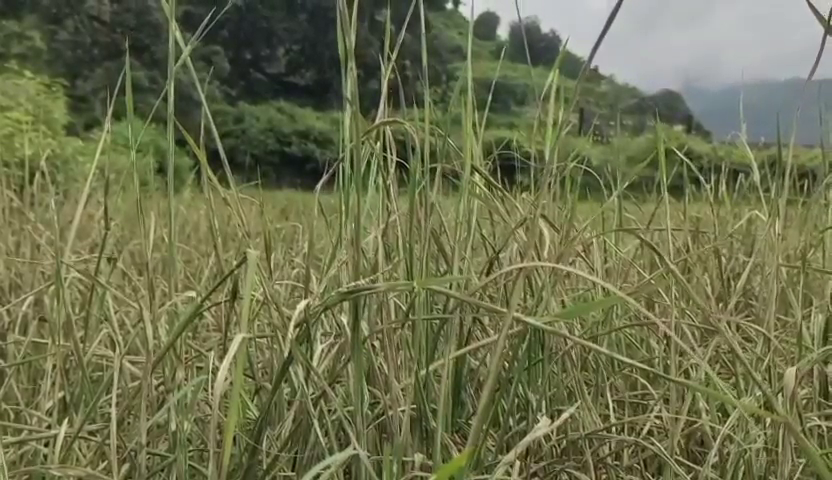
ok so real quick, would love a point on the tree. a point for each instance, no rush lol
(21, 44)
(86, 44)
(486, 25)
(543, 47)
(670, 107)
(257, 51)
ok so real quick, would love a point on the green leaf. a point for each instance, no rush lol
(330, 463)
(449, 469)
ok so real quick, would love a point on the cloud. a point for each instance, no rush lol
(671, 43)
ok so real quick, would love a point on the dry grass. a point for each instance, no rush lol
(368, 333)
(642, 349)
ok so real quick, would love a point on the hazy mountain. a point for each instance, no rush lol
(719, 109)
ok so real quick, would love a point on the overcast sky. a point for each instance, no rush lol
(668, 43)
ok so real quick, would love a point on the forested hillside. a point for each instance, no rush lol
(272, 73)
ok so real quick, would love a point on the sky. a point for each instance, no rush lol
(672, 43)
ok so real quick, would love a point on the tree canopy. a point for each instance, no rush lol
(486, 26)
(259, 50)
(528, 42)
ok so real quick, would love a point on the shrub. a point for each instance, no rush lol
(506, 94)
(631, 159)
(33, 116)
(670, 107)
(282, 142)
(150, 143)
(571, 65)
(512, 87)
(733, 161)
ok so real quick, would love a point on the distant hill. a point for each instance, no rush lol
(607, 103)
(719, 109)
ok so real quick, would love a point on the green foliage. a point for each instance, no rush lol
(452, 27)
(277, 137)
(268, 60)
(636, 159)
(33, 120)
(486, 26)
(33, 115)
(150, 144)
(571, 66)
(543, 47)
(509, 88)
(21, 43)
(690, 160)
(668, 105)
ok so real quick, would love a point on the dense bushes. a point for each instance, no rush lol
(33, 116)
(635, 161)
(284, 144)
(278, 142)
(508, 86)
(33, 121)
(669, 106)
(150, 143)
